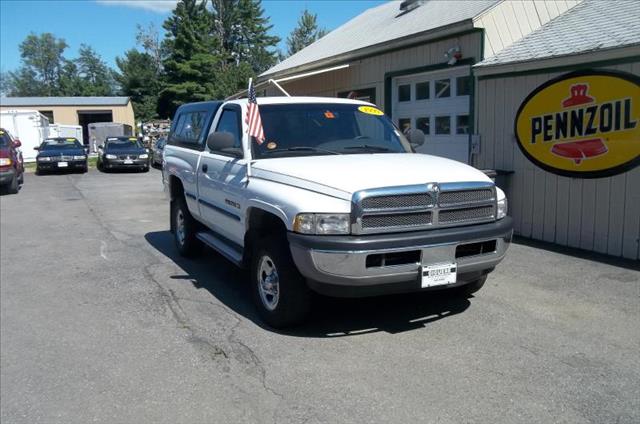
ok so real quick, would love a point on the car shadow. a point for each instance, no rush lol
(330, 317)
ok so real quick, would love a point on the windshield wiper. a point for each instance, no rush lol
(368, 147)
(303, 149)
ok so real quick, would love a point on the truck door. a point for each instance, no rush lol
(220, 175)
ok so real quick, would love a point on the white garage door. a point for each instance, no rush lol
(438, 104)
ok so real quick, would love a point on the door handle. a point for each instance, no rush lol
(205, 168)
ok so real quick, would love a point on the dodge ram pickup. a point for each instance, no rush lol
(334, 200)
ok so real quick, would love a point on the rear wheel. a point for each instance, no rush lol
(279, 290)
(184, 229)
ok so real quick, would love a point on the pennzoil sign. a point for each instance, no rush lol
(584, 124)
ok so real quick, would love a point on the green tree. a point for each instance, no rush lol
(192, 57)
(243, 30)
(138, 79)
(306, 33)
(96, 78)
(42, 64)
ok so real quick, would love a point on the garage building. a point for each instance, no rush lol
(460, 70)
(75, 110)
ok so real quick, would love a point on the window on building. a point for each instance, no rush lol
(443, 125)
(424, 124)
(422, 90)
(404, 93)
(463, 86)
(462, 124)
(443, 88)
(48, 114)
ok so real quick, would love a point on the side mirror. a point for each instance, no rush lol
(101, 147)
(86, 149)
(416, 137)
(17, 143)
(36, 148)
(220, 141)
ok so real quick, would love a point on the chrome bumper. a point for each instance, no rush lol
(327, 263)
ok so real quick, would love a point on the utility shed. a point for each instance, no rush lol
(559, 113)
(414, 59)
(75, 110)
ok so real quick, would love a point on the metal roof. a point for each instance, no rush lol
(381, 25)
(64, 101)
(587, 27)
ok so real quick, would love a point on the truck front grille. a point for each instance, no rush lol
(396, 220)
(402, 201)
(464, 215)
(411, 208)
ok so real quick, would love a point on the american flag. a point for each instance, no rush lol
(254, 123)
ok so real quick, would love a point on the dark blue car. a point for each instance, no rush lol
(61, 153)
(123, 153)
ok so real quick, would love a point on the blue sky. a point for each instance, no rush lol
(110, 26)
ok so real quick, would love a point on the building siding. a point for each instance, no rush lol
(370, 72)
(601, 214)
(68, 115)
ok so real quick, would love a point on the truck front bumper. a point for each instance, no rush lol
(354, 266)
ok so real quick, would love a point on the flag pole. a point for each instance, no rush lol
(248, 147)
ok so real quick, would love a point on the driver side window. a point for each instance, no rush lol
(230, 123)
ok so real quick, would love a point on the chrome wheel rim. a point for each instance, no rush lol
(180, 230)
(268, 283)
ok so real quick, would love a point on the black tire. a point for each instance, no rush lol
(38, 171)
(145, 169)
(470, 288)
(100, 166)
(185, 238)
(293, 301)
(13, 186)
(21, 179)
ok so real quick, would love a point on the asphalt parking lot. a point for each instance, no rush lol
(102, 321)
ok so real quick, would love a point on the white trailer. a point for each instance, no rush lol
(60, 130)
(28, 126)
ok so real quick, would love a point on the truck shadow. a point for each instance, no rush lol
(330, 317)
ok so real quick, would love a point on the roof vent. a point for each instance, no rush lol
(408, 5)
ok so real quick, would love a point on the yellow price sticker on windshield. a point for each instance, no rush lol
(71, 139)
(369, 110)
(133, 139)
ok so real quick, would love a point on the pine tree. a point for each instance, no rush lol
(138, 79)
(94, 75)
(306, 33)
(192, 57)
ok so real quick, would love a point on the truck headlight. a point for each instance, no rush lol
(44, 159)
(79, 157)
(322, 223)
(502, 208)
(110, 156)
(5, 161)
(143, 156)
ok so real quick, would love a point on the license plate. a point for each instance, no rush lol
(439, 274)
(62, 164)
(128, 161)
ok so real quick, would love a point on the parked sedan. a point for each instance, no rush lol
(61, 153)
(156, 150)
(123, 153)
(11, 165)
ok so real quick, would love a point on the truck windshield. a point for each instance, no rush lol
(322, 129)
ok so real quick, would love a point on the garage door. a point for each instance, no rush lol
(438, 104)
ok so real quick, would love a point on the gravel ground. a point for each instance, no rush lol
(102, 321)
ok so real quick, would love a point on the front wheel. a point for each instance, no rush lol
(184, 229)
(12, 188)
(279, 290)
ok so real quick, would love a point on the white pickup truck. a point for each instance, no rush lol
(334, 201)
